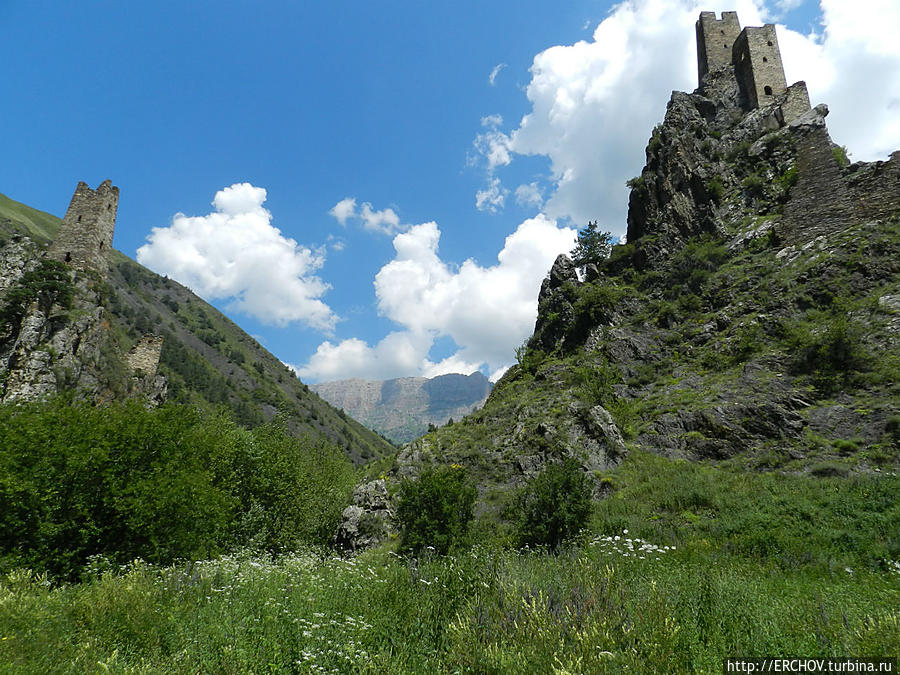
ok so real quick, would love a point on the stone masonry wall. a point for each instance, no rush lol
(86, 233)
(715, 38)
(144, 356)
(757, 64)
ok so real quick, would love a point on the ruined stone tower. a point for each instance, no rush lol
(757, 65)
(753, 57)
(86, 233)
(715, 40)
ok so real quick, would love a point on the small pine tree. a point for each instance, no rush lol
(592, 247)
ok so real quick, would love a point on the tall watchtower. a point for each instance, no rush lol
(86, 233)
(757, 65)
(715, 39)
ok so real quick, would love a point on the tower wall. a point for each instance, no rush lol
(757, 65)
(85, 236)
(715, 38)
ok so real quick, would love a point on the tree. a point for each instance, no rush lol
(555, 505)
(435, 510)
(592, 247)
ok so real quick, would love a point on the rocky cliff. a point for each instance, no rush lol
(403, 409)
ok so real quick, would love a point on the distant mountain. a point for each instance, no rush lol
(401, 409)
(206, 360)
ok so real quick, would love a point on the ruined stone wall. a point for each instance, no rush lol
(144, 356)
(86, 233)
(715, 38)
(794, 103)
(757, 65)
(875, 188)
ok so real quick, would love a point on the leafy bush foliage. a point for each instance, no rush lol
(124, 482)
(834, 356)
(49, 283)
(555, 505)
(435, 510)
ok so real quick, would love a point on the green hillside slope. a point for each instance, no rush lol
(208, 360)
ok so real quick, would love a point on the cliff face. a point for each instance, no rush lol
(751, 318)
(402, 409)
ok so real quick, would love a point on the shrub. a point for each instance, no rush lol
(715, 189)
(554, 506)
(833, 356)
(122, 481)
(49, 283)
(435, 510)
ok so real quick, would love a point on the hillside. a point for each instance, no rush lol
(752, 321)
(402, 409)
(206, 358)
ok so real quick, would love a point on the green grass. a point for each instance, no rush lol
(597, 608)
(36, 224)
(686, 564)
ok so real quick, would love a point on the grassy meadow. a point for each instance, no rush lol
(682, 566)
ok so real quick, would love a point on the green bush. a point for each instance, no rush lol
(834, 356)
(554, 506)
(49, 283)
(122, 481)
(435, 510)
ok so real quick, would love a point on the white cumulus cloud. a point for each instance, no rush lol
(384, 221)
(487, 311)
(236, 253)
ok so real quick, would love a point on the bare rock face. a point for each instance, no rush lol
(48, 348)
(368, 520)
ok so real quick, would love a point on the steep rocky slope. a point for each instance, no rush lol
(403, 409)
(206, 359)
(752, 319)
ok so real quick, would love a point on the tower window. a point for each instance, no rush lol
(768, 90)
(79, 219)
(769, 43)
(108, 207)
(765, 60)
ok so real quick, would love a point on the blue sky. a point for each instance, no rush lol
(397, 147)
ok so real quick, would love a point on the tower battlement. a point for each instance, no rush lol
(86, 233)
(715, 39)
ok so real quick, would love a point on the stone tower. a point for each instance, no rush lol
(757, 65)
(85, 236)
(715, 39)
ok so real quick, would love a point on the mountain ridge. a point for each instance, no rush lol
(404, 408)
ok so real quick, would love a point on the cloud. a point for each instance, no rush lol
(235, 253)
(487, 311)
(496, 71)
(385, 221)
(493, 144)
(492, 198)
(529, 195)
(343, 210)
(854, 67)
(594, 103)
